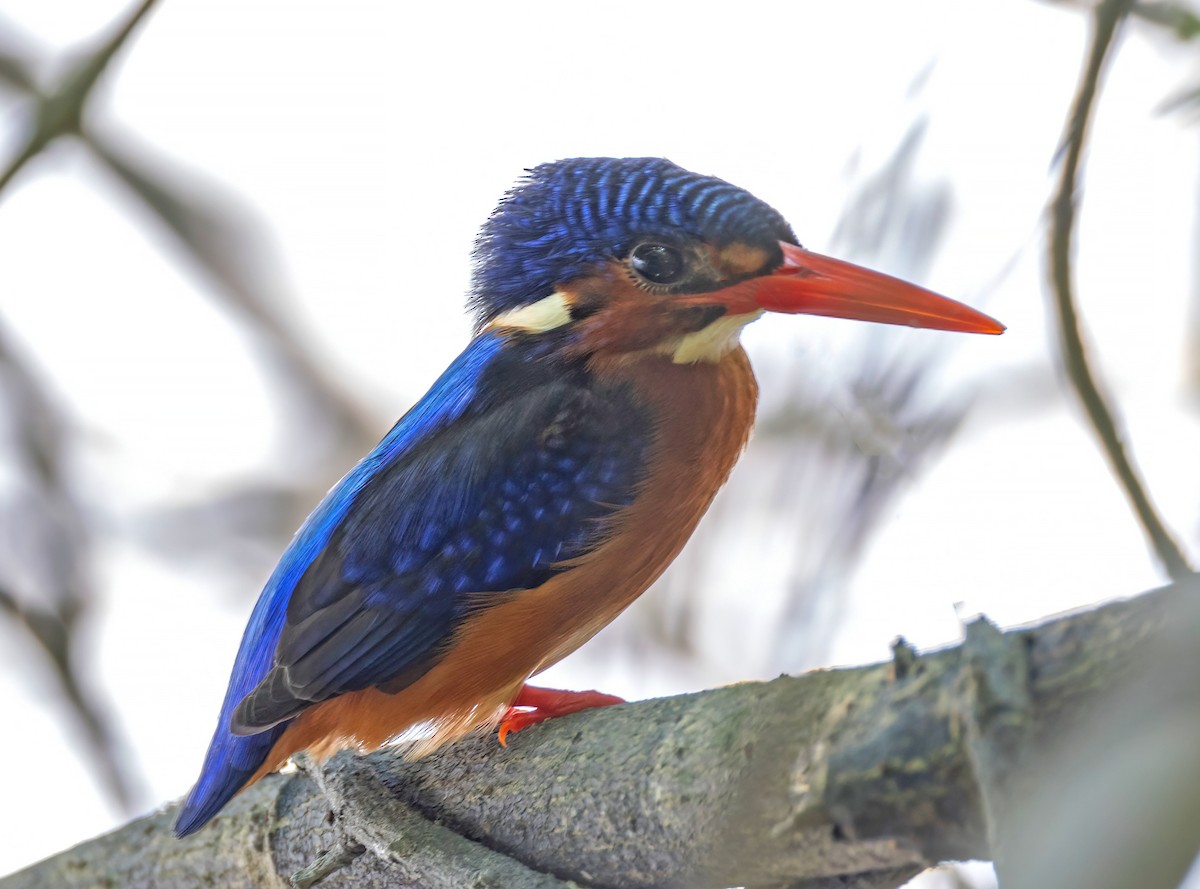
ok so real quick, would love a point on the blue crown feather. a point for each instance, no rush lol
(567, 215)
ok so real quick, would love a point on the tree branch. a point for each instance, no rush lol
(844, 777)
(52, 611)
(60, 112)
(1108, 16)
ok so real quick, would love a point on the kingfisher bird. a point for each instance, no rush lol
(548, 477)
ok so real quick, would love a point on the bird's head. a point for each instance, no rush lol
(635, 255)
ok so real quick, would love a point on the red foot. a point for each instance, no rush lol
(534, 704)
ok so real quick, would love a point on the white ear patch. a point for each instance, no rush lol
(711, 343)
(545, 314)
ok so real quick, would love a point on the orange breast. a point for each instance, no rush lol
(703, 414)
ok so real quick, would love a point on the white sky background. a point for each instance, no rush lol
(373, 139)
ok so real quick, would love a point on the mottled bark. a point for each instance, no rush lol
(855, 777)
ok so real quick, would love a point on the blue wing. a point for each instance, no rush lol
(507, 466)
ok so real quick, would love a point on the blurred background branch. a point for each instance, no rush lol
(50, 539)
(48, 526)
(60, 111)
(1106, 21)
(52, 519)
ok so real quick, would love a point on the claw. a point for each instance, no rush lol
(535, 704)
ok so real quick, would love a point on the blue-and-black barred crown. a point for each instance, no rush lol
(566, 215)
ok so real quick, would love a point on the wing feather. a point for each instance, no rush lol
(485, 506)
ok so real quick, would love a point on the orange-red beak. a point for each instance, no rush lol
(811, 284)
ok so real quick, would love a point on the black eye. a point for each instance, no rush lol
(657, 263)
